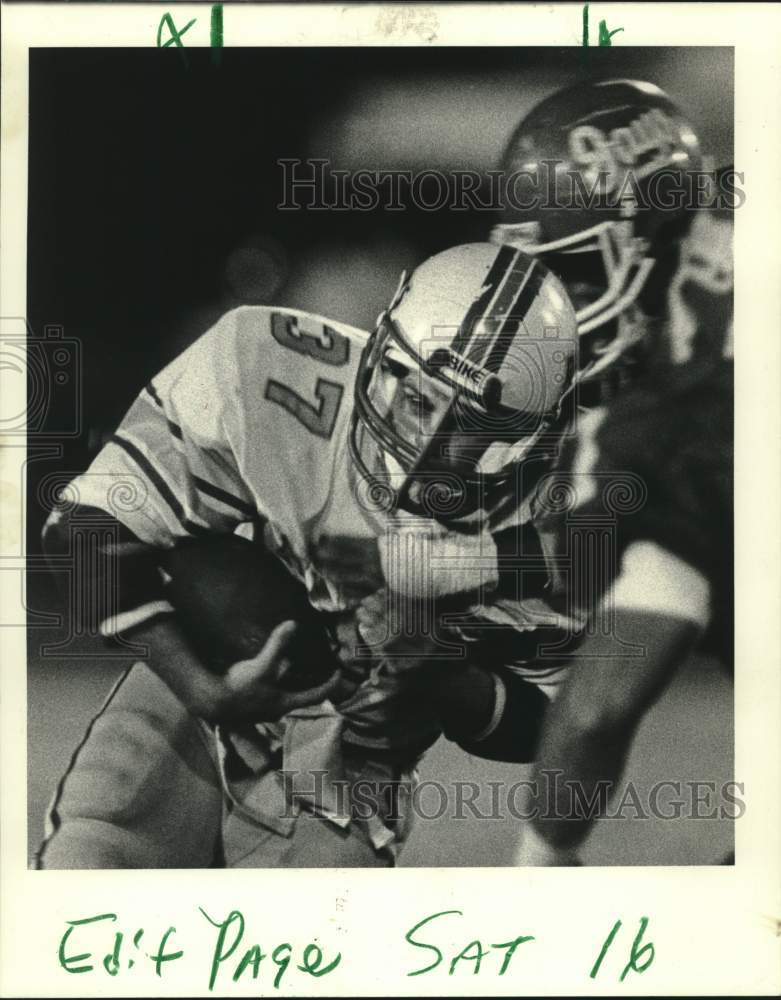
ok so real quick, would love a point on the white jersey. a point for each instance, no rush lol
(249, 426)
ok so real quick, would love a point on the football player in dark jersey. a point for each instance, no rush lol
(604, 183)
(661, 456)
(601, 182)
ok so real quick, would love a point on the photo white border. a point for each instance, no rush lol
(715, 930)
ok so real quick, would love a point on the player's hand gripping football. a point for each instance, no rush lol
(253, 690)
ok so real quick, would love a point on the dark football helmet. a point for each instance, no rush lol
(462, 382)
(600, 180)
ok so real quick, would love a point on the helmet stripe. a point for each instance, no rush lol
(512, 319)
(500, 270)
(521, 271)
(503, 306)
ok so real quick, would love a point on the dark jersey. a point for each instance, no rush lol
(675, 434)
(656, 463)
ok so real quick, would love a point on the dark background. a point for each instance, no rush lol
(153, 186)
(153, 182)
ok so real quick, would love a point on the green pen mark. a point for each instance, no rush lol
(639, 958)
(633, 965)
(215, 34)
(605, 35)
(163, 955)
(605, 946)
(69, 962)
(176, 36)
(166, 21)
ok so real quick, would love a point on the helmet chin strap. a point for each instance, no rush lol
(392, 466)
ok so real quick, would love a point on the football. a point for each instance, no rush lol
(230, 593)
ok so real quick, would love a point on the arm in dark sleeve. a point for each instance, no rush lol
(493, 714)
(512, 733)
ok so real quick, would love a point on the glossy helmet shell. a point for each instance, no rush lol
(608, 128)
(492, 330)
(599, 180)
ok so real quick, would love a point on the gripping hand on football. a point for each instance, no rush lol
(254, 690)
(251, 690)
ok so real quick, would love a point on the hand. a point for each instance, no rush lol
(374, 622)
(252, 690)
(386, 626)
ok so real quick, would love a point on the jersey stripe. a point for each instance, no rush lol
(153, 393)
(244, 507)
(173, 427)
(159, 483)
(224, 497)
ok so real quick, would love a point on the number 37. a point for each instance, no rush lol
(329, 347)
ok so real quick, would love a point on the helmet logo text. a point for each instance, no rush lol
(624, 148)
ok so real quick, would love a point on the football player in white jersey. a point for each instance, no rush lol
(394, 475)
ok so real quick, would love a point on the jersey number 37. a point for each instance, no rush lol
(330, 348)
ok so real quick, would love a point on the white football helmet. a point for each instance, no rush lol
(461, 385)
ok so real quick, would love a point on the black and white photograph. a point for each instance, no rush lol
(379, 484)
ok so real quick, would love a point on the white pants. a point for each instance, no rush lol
(151, 786)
